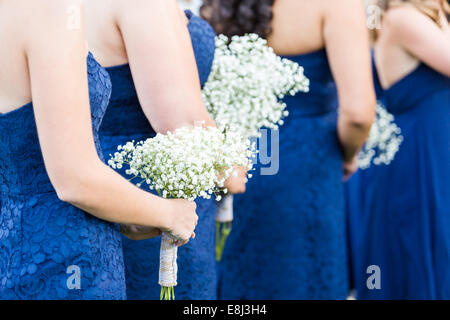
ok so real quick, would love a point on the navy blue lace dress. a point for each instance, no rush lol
(289, 238)
(45, 244)
(125, 121)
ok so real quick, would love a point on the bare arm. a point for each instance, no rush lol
(164, 69)
(420, 36)
(57, 63)
(347, 43)
(163, 64)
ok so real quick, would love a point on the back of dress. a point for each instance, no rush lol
(291, 221)
(41, 236)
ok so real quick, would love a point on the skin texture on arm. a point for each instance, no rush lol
(162, 62)
(347, 43)
(57, 65)
(164, 69)
(420, 37)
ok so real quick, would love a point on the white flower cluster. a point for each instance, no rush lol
(246, 84)
(191, 162)
(384, 140)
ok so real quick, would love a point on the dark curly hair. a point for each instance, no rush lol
(238, 17)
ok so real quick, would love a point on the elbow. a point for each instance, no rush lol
(165, 126)
(69, 191)
(63, 193)
(362, 115)
(73, 186)
(363, 122)
(447, 71)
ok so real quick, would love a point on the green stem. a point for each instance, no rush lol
(167, 293)
(223, 230)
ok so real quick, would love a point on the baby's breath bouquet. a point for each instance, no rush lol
(247, 82)
(384, 140)
(245, 90)
(189, 163)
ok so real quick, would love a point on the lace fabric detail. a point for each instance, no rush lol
(41, 236)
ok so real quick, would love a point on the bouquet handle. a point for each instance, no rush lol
(224, 220)
(168, 267)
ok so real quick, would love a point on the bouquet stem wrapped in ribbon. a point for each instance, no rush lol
(168, 267)
(189, 163)
(224, 222)
(244, 91)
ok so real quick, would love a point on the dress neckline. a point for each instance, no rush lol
(306, 54)
(404, 78)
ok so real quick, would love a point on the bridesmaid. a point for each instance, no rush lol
(156, 88)
(402, 225)
(50, 170)
(289, 236)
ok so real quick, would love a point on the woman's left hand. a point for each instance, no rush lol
(138, 232)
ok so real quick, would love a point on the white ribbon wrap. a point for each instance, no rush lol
(168, 268)
(224, 211)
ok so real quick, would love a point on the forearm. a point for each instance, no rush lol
(352, 135)
(108, 196)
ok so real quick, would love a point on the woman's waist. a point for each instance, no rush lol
(43, 217)
(125, 119)
(26, 185)
(308, 106)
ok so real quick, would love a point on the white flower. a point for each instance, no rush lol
(246, 84)
(187, 163)
(384, 140)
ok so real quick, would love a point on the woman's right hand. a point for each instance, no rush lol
(182, 220)
(350, 167)
(236, 183)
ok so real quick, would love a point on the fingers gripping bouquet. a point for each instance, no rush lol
(188, 163)
(384, 140)
(244, 90)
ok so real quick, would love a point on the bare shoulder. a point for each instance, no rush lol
(346, 19)
(51, 11)
(406, 24)
(54, 25)
(398, 14)
(44, 11)
(139, 6)
(345, 8)
(401, 19)
(52, 16)
(33, 21)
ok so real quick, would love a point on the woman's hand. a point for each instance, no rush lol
(235, 184)
(350, 167)
(182, 220)
(135, 232)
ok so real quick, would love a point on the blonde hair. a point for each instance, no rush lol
(430, 8)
